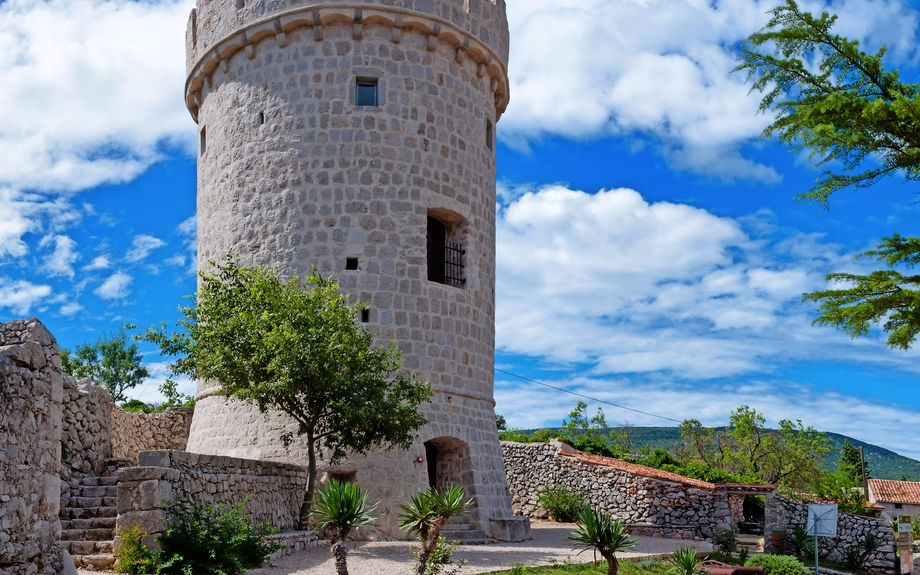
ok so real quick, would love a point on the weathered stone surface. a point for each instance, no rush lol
(30, 449)
(293, 172)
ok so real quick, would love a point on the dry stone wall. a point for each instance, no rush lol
(87, 434)
(275, 491)
(136, 432)
(31, 389)
(650, 506)
(783, 513)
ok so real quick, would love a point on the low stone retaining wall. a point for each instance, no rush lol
(275, 491)
(783, 513)
(667, 506)
(136, 432)
(31, 389)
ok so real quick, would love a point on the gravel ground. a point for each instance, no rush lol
(394, 557)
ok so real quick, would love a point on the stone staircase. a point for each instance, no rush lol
(461, 530)
(88, 519)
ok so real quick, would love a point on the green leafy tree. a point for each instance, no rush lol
(341, 509)
(426, 514)
(592, 434)
(850, 462)
(297, 348)
(598, 531)
(851, 110)
(113, 361)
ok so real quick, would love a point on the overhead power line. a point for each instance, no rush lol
(586, 396)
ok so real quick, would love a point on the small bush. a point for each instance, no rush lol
(562, 504)
(725, 539)
(131, 555)
(685, 561)
(440, 561)
(778, 565)
(851, 557)
(212, 540)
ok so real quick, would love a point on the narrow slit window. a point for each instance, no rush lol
(202, 141)
(351, 263)
(365, 316)
(489, 136)
(366, 92)
(261, 118)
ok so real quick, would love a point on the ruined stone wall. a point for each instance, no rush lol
(275, 490)
(783, 513)
(87, 433)
(649, 506)
(136, 432)
(31, 390)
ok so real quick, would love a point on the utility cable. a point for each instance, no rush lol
(585, 396)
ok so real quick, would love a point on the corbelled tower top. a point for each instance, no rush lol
(218, 29)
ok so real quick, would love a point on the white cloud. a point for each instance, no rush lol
(71, 308)
(141, 247)
(20, 296)
(60, 261)
(31, 212)
(658, 69)
(117, 286)
(99, 263)
(91, 89)
(528, 406)
(633, 287)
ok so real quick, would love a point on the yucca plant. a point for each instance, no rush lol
(685, 561)
(340, 509)
(427, 513)
(801, 542)
(599, 532)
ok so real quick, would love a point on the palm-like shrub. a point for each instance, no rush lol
(685, 561)
(800, 541)
(599, 532)
(340, 510)
(427, 513)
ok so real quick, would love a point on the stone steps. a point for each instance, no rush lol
(460, 530)
(88, 519)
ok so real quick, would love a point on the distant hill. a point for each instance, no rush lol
(883, 463)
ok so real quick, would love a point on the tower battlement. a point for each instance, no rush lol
(475, 30)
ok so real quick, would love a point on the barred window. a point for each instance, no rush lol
(445, 259)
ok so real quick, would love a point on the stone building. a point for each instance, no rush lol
(358, 137)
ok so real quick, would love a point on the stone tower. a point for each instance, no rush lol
(358, 137)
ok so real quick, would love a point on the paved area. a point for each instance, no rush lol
(395, 558)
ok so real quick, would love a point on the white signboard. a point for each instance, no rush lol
(822, 519)
(903, 527)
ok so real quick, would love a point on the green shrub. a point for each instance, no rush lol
(562, 504)
(441, 562)
(212, 540)
(778, 565)
(685, 561)
(851, 557)
(131, 555)
(725, 539)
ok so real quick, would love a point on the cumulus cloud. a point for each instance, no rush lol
(661, 70)
(98, 263)
(91, 87)
(141, 247)
(72, 308)
(61, 259)
(117, 286)
(20, 296)
(633, 287)
(30, 212)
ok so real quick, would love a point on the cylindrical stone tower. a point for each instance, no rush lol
(358, 137)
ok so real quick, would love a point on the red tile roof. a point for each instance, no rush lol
(890, 491)
(645, 471)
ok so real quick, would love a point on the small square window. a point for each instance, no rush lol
(351, 263)
(365, 316)
(898, 506)
(366, 92)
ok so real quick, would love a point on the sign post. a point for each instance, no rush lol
(821, 522)
(905, 539)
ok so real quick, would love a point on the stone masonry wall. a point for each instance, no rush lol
(136, 432)
(650, 506)
(783, 513)
(30, 449)
(87, 433)
(275, 490)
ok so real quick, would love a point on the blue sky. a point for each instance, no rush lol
(650, 252)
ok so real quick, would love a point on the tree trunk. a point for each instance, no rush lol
(612, 565)
(429, 543)
(311, 482)
(340, 551)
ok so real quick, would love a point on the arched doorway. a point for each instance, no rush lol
(449, 463)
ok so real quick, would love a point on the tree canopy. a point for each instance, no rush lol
(295, 347)
(112, 361)
(843, 105)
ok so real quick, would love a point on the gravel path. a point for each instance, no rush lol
(394, 557)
